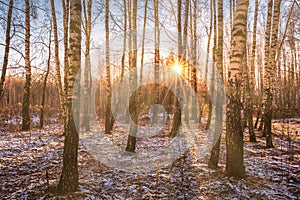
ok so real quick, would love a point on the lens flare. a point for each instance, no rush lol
(177, 68)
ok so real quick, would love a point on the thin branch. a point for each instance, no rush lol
(115, 22)
(17, 50)
(18, 8)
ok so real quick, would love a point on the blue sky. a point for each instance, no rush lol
(40, 33)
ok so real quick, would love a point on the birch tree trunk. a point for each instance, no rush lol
(209, 38)
(248, 77)
(26, 96)
(270, 75)
(214, 53)
(109, 119)
(66, 12)
(234, 134)
(251, 86)
(122, 93)
(267, 59)
(156, 60)
(69, 178)
(143, 41)
(214, 157)
(194, 63)
(177, 114)
(185, 27)
(87, 67)
(7, 46)
(57, 63)
(252, 62)
(124, 39)
(184, 56)
(131, 141)
(179, 28)
(231, 14)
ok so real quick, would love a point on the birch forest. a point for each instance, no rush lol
(149, 99)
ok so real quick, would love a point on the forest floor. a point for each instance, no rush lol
(30, 162)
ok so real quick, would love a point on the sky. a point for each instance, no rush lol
(40, 32)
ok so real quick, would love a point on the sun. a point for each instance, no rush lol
(177, 68)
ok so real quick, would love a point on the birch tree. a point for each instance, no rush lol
(234, 134)
(179, 28)
(185, 28)
(156, 59)
(214, 158)
(69, 178)
(177, 114)
(26, 96)
(57, 62)
(124, 39)
(251, 85)
(185, 49)
(7, 46)
(214, 53)
(109, 119)
(87, 67)
(267, 51)
(143, 41)
(66, 12)
(194, 63)
(269, 76)
(131, 141)
(209, 39)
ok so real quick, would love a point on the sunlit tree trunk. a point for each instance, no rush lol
(131, 141)
(109, 119)
(209, 38)
(57, 63)
(177, 114)
(292, 67)
(214, 156)
(267, 60)
(251, 86)
(194, 63)
(214, 53)
(143, 41)
(124, 39)
(179, 28)
(69, 178)
(248, 76)
(142, 54)
(248, 107)
(185, 27)
(122, 93)
(260, 91)
(234, 134)
(7, 46)
(66, 12)
(284, 77)
(26, 96)
(252, 62)
(185, 52)
(87, 67)
(231, 14)
(130, 53)
(270, 76)
(156, 60)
